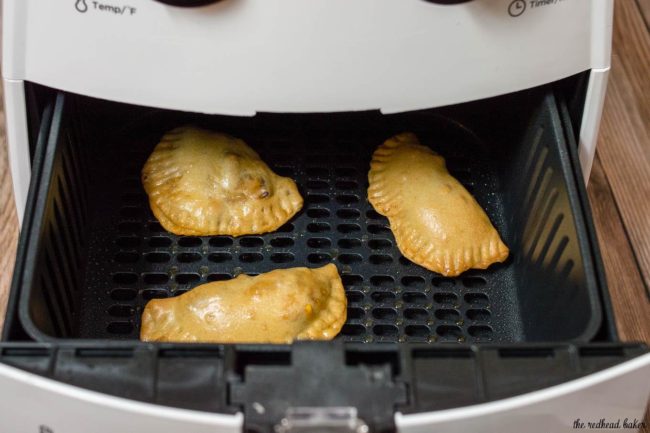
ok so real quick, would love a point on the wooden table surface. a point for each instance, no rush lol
(619, 188)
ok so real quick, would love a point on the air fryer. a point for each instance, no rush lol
(92, 255)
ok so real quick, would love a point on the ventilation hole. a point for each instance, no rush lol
(317, 184)
(384, 313)
(416, 314)
(380, 259)
(219, 277)
(317, 171)
(414, 298)
(188, 257)
(345, 172)
(317, 198)
(131, 212)
(449, 331)
(377, 229)
(347, 199)
(220, 257)
(128, 242)
(319, 258)
(480, 331)
(120, 328)
(318, 227)
(157, 257)
(478, 299)
(123, 257)
(356, 313)
(251, 257)
(354, 296)
(447, 314)
(471, 282)
(125, 278)
(123, 294)
(380, 244)
(382, 281)
(286, 228)
(121, 310)
(443, 282)
(348, 228)
(187, 278)
(282, 242)
(385, 330)
(129, 227)
(155, 227)
(318, 213)
(251, 242)
(154, 294)
(346, 184)
(382, 296)
(348, 259)
(351, 279)
(349, 243)
(529, 352)
(445, 298)
(157, 278)
(373, 214)
(159, 242)
(478, 315)
(353, 330)
(417, 331)
(282, 257)
(348, 213)
(413, 282)
(404, 261)
(189, 242)
(221, 242)
(133, 198)
(318, 243)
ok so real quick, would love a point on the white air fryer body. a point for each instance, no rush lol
(246, 56)
(239, 57)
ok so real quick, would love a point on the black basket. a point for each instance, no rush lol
(95, 254)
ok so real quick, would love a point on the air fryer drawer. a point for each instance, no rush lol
(91, 255)
(97, 255)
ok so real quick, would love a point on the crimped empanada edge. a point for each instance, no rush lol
(332, 316)
(379, 194)
(450, 263)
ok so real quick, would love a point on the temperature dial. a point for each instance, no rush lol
(188, 3)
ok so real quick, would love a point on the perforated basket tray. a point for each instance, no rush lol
(97, 254)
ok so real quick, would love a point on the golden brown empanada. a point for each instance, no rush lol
(276, 307)
(436, 222)
(205, 183)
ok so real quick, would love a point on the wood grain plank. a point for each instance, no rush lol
(624, 145)
(644, 8)
(629, 302)
(8, 221)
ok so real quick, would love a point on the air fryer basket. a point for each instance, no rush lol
(97, 254)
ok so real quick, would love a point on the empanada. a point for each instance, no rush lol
(436, 222)
(276, 307)
(205, 183)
